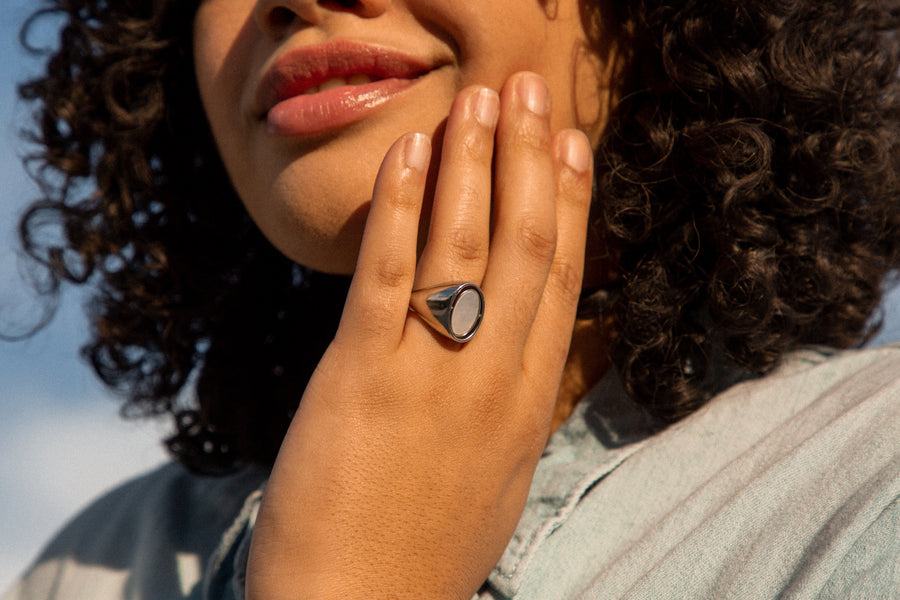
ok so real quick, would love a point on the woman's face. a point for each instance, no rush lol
(304, 97)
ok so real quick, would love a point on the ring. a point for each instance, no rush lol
(453, 310)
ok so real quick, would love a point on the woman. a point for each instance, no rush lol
(744, 211)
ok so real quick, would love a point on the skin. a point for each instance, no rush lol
(314, 211)
(408, 463)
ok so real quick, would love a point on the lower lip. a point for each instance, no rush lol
(322, 112)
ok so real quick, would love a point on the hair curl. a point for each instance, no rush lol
(185, 282)
(747, 182)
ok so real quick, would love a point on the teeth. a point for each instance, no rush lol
(332, 83)
(338, 82)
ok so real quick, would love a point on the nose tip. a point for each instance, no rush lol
(363, 8)
(277, 17)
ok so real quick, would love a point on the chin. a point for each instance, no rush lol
(334, 253)
(331, 263)
(329, 243)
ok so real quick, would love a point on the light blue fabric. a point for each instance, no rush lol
(785, 487)
(782, 487)
(153, 537)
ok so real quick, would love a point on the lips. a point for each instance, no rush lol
(317, 89)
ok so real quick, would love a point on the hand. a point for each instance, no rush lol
(406, 468)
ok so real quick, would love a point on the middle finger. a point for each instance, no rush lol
(525, 231)
(459, 233)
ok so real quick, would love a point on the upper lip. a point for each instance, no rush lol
(302, 68)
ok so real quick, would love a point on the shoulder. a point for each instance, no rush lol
(783, 486)
(825, 390)
(818, 369)
(149, 538)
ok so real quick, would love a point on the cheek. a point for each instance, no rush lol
(208, 56)
(532, 38)
(220, 62)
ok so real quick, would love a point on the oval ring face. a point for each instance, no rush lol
(454, 310)
(465, 316)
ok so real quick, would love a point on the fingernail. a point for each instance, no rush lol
(576, 152)
(533, 93)
(487, 107)
(418, 150)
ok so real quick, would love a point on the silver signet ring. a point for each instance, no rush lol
(453, 310)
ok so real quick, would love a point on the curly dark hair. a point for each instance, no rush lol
(750, 181)
(747, 186)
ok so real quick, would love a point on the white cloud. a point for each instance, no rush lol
(57, 457)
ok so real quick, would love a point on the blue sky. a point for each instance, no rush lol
(62, 440)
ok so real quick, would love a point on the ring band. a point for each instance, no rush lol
(453, 310)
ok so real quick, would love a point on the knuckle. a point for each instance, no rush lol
(533, 135)
(473, 146)
(537, 238)
(404, 202)
(467, 246)
(403, 197)
(566, 277)
(388, 273)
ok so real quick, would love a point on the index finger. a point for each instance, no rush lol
(378, 299)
